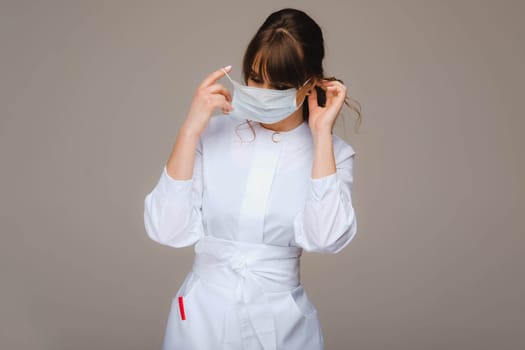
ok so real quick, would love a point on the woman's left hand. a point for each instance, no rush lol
(322, 119)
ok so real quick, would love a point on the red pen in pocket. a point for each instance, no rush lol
(181, 308)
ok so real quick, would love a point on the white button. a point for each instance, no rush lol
(276, 137)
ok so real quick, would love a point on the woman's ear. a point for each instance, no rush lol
(301, 96)
(306, 89)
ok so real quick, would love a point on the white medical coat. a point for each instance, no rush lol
(260, 193)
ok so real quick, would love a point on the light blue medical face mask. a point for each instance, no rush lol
(263, 105)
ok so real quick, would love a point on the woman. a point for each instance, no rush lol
(251, 188)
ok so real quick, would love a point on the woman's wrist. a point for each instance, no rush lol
(188, 132)
(321, 136)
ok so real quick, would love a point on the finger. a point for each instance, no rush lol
(334, 94)
(312, 100)
(331, 95)
(220, 102)
(335, 97)
(213, 77)
(327, 83)
(335, 86)
(220, 89)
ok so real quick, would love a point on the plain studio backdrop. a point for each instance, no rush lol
(92, 94)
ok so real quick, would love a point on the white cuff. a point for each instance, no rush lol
(322, 186)
(170, 186)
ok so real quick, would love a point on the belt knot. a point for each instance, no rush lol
(239, 264)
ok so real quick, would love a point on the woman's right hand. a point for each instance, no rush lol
(208, 96)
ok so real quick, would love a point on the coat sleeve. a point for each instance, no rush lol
(173, 209)
(327, 223)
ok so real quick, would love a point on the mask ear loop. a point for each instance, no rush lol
(227, 75)
(306, 82)
(247, 121)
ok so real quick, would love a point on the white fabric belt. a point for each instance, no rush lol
(250, 270)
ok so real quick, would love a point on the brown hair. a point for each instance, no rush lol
(286, 51)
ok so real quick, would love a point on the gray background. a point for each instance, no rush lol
(93, 92)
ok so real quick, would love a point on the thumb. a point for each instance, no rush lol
(312, 99)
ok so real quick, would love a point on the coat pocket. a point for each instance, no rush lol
(184, 294)
(301, 302)
(187, 286)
